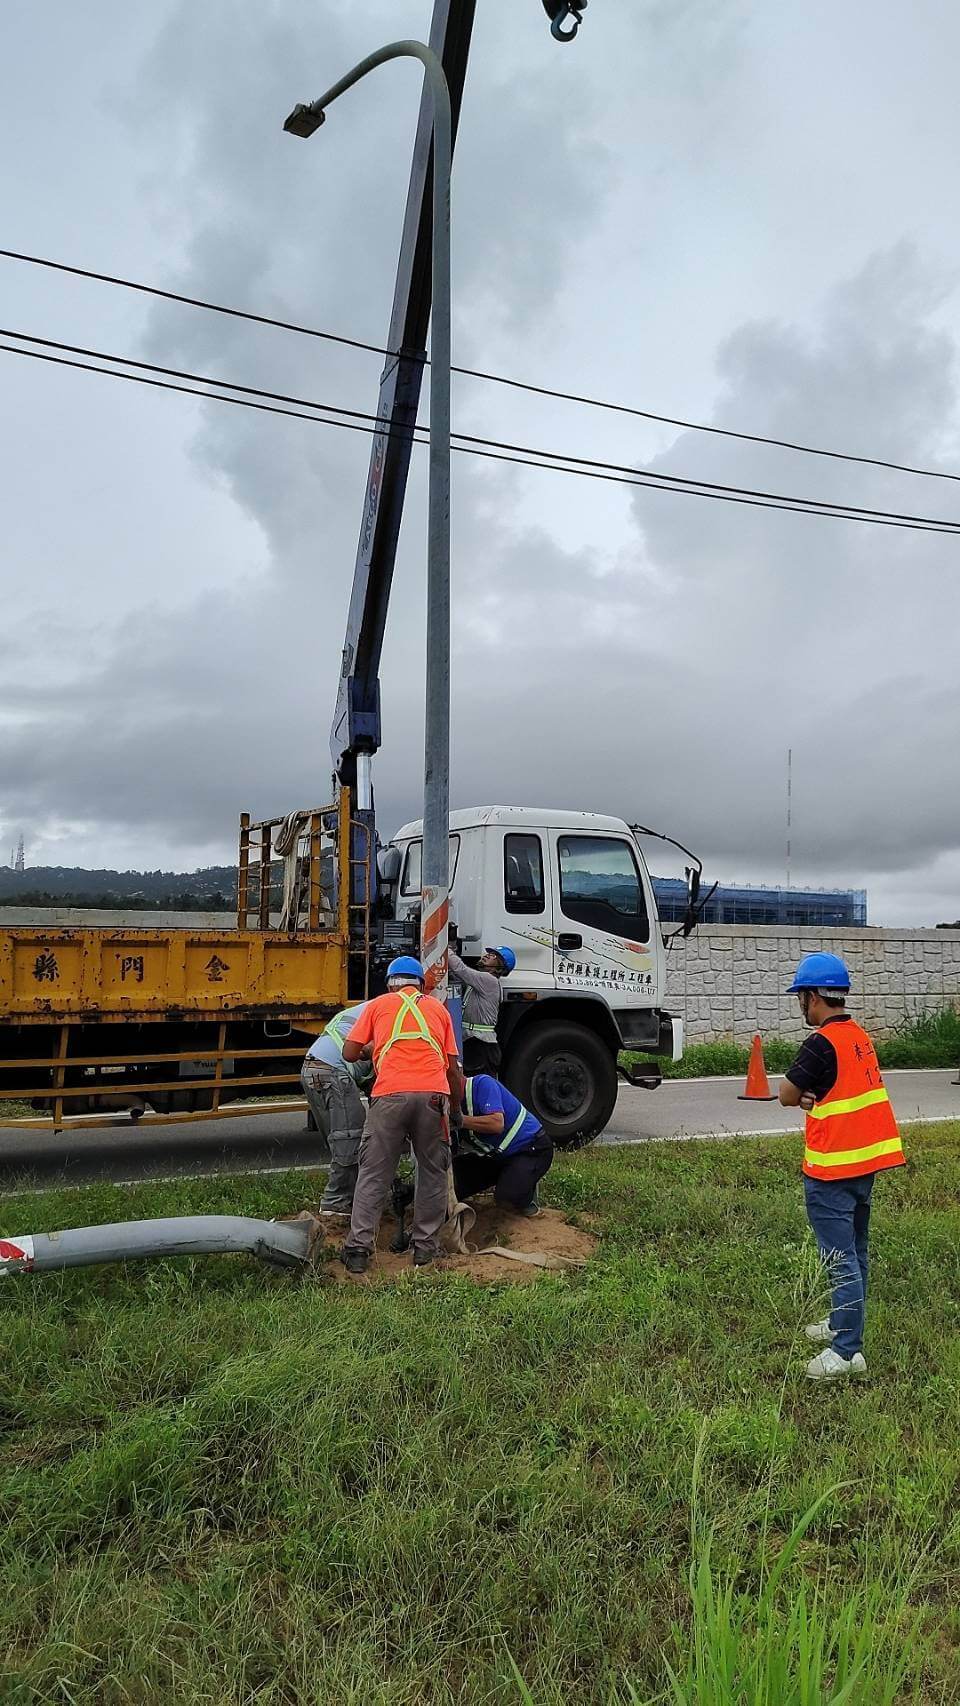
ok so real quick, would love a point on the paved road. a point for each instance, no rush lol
(701, 1107)
(709, 1107)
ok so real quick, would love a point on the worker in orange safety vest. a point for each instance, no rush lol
(410, 1039)
(851, 1135)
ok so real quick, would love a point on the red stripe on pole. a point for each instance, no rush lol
(434, 926)
(433, 940)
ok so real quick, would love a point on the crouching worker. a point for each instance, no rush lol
(411, 1041)
(501, 1146)
(332, 1087)
(851, 1135)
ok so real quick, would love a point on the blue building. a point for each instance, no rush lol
(743, 903)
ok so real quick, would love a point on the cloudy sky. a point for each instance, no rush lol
(721, 210)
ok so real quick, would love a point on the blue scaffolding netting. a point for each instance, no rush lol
(744, 903)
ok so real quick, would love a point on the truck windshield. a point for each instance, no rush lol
(600, 885)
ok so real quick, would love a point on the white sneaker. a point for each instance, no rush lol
(829, 1366)
(820, 1332)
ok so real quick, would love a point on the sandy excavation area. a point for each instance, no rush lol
(557, 1245)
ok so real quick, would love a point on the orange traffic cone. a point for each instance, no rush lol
(757, 1087)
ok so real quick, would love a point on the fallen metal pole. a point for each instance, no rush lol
(282, 1243)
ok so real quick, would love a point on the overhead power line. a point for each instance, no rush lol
(468, 440)
(478, 373)
(489, 449)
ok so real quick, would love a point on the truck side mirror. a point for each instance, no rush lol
(695, 905)
(389, 860)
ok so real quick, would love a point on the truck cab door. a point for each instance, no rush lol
(606, 934)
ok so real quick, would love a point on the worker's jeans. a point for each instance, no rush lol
(419, 1119)
(513, 1178)
(336, 1106)
(839, 1213)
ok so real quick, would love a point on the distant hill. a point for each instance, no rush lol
(213, 889)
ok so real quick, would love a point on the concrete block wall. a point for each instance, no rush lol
(728, 980)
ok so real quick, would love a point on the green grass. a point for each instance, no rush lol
(14, 1109)
(224, 1485)
(930, 1041)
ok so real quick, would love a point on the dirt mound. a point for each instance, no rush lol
(549, 1236)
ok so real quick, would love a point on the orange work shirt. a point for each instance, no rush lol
(409, 1064)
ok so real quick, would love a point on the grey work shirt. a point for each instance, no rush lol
(324, 1052)
(481, 999)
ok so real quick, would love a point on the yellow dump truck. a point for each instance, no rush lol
(174, 1021)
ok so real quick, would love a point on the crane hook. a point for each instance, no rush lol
(558, 11)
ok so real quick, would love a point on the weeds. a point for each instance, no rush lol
(222, 1485)
(16, 1109)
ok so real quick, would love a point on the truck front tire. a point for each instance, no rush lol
(567, 1077)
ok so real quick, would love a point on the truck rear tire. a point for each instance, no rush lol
(567, 1077)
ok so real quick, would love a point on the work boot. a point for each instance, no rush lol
(355, 1261)
(533, 1206)
(820, 1332)
(424, 1258)
(829, 1366)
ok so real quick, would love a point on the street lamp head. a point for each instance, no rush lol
(304, 120)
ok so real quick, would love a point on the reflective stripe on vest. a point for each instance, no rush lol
(853, 1129)
(335, 1030)
(482, 1033)
(851, 1105)
(856, 1157)
(508, 1138)
(422, 1034)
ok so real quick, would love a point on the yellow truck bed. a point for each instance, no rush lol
(50, 974)
(223, 1003)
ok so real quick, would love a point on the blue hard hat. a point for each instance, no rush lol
(507, 955)
(406, 966)
(820, 971)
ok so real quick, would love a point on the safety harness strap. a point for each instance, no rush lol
(409, 1004)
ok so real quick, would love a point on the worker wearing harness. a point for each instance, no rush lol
(481, 1004)
(500, 1145)
(851, 1136)
(332, 1087)
(411, 1041)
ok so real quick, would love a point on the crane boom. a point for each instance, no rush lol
(356, 723)
(355, 733)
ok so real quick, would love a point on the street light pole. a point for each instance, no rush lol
(303, 121)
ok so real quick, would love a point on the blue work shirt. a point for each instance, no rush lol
(486, 1095)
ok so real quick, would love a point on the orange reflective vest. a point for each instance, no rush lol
(853, 1129)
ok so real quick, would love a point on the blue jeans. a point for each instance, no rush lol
(839, 1213)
